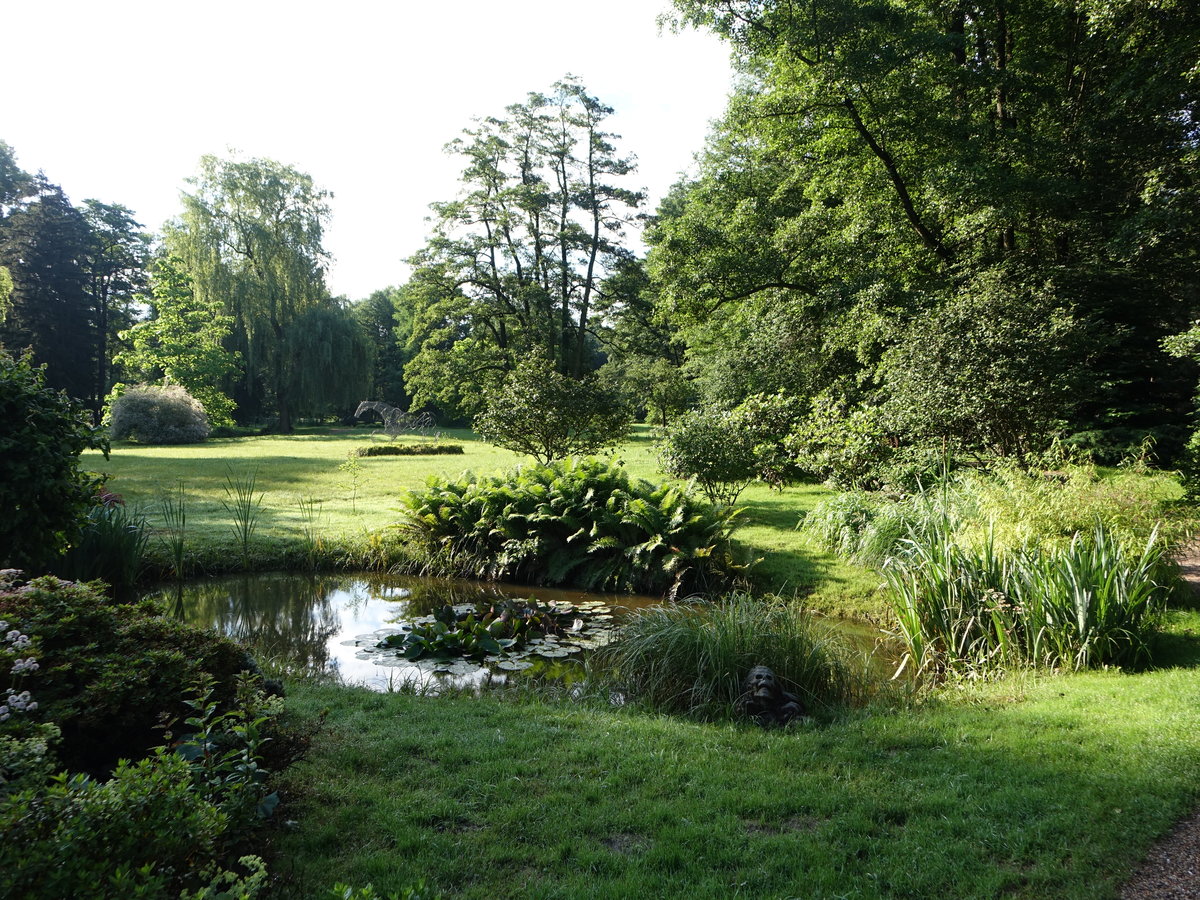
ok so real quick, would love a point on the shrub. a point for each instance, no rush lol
(692, 659)
(583, 523)
(547, 415)
(410, 450)
(150, 414)
(767, 420)
(847, 446)
(42, 491)
(110, 672)
(714, 448)
(976, 610)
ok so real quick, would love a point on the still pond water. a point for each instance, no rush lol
(330, 625)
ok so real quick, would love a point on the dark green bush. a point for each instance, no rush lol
(410, 450)
(43, 494)
(150, 414)
(714, 448)
(583, 523)
(109, 671)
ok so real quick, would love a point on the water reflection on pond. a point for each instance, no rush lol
(323, 624)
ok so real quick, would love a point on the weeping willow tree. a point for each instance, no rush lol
(330, 364)
(251, 236)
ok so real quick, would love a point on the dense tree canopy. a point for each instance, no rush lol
(880, 156)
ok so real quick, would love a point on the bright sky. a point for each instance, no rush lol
(118, 101)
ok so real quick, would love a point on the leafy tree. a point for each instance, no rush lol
(548, 415)
(516, 262)
(991, 371)
(881, 157)
(42, 490)
(386, 320)
(250, 237)
(325, 340)
(43, 244)
(183, 341)
(118, 254)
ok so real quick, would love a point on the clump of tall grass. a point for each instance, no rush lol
(692, 658)
(584, 523)
(244, 506)
(978, 610)
(1005, 510)
(110, 548)
(172, 508)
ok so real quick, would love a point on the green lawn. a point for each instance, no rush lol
(292, 468)
(1038, 787)
(1031, 786)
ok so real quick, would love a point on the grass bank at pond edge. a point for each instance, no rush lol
(1038, 787)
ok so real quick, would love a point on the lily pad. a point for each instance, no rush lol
(514, 665)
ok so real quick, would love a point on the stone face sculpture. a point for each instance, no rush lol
(764, 700)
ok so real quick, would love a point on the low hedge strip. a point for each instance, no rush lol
(409, 449)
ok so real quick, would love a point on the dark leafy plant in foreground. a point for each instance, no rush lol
(693, 658)
(579, 522)
(1093, 602)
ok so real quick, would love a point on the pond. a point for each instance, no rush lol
(333, 625)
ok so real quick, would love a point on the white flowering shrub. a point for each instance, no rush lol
(150, 414)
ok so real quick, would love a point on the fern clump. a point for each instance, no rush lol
(583, 523)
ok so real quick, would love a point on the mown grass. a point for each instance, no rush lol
(1039, 787)
(298, 473)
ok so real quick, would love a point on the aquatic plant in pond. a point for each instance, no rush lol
(504, 634)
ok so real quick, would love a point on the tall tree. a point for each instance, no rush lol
(251, 237)
(44, 245)
(386, 319)
(116, 263)
(517, 260)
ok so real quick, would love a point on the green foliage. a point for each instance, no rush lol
(484, 631)
(1006, 509)
(182, 341)
(244, 506)
(150, 414)
(1091, 603)
(516, 261)
(250, 238)
(323, 340)
(547, 415)
(577, 522)
(926, 182)
(421, 449)
(845, 445)
(137, 834)
(693, 659)
(111, 547)
(712, 447)
(993, 371)
(44, 494)
(109, 671)
(768, 420)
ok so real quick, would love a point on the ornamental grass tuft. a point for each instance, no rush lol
(692, 658)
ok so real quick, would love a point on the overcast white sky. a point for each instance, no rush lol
(118, 100)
